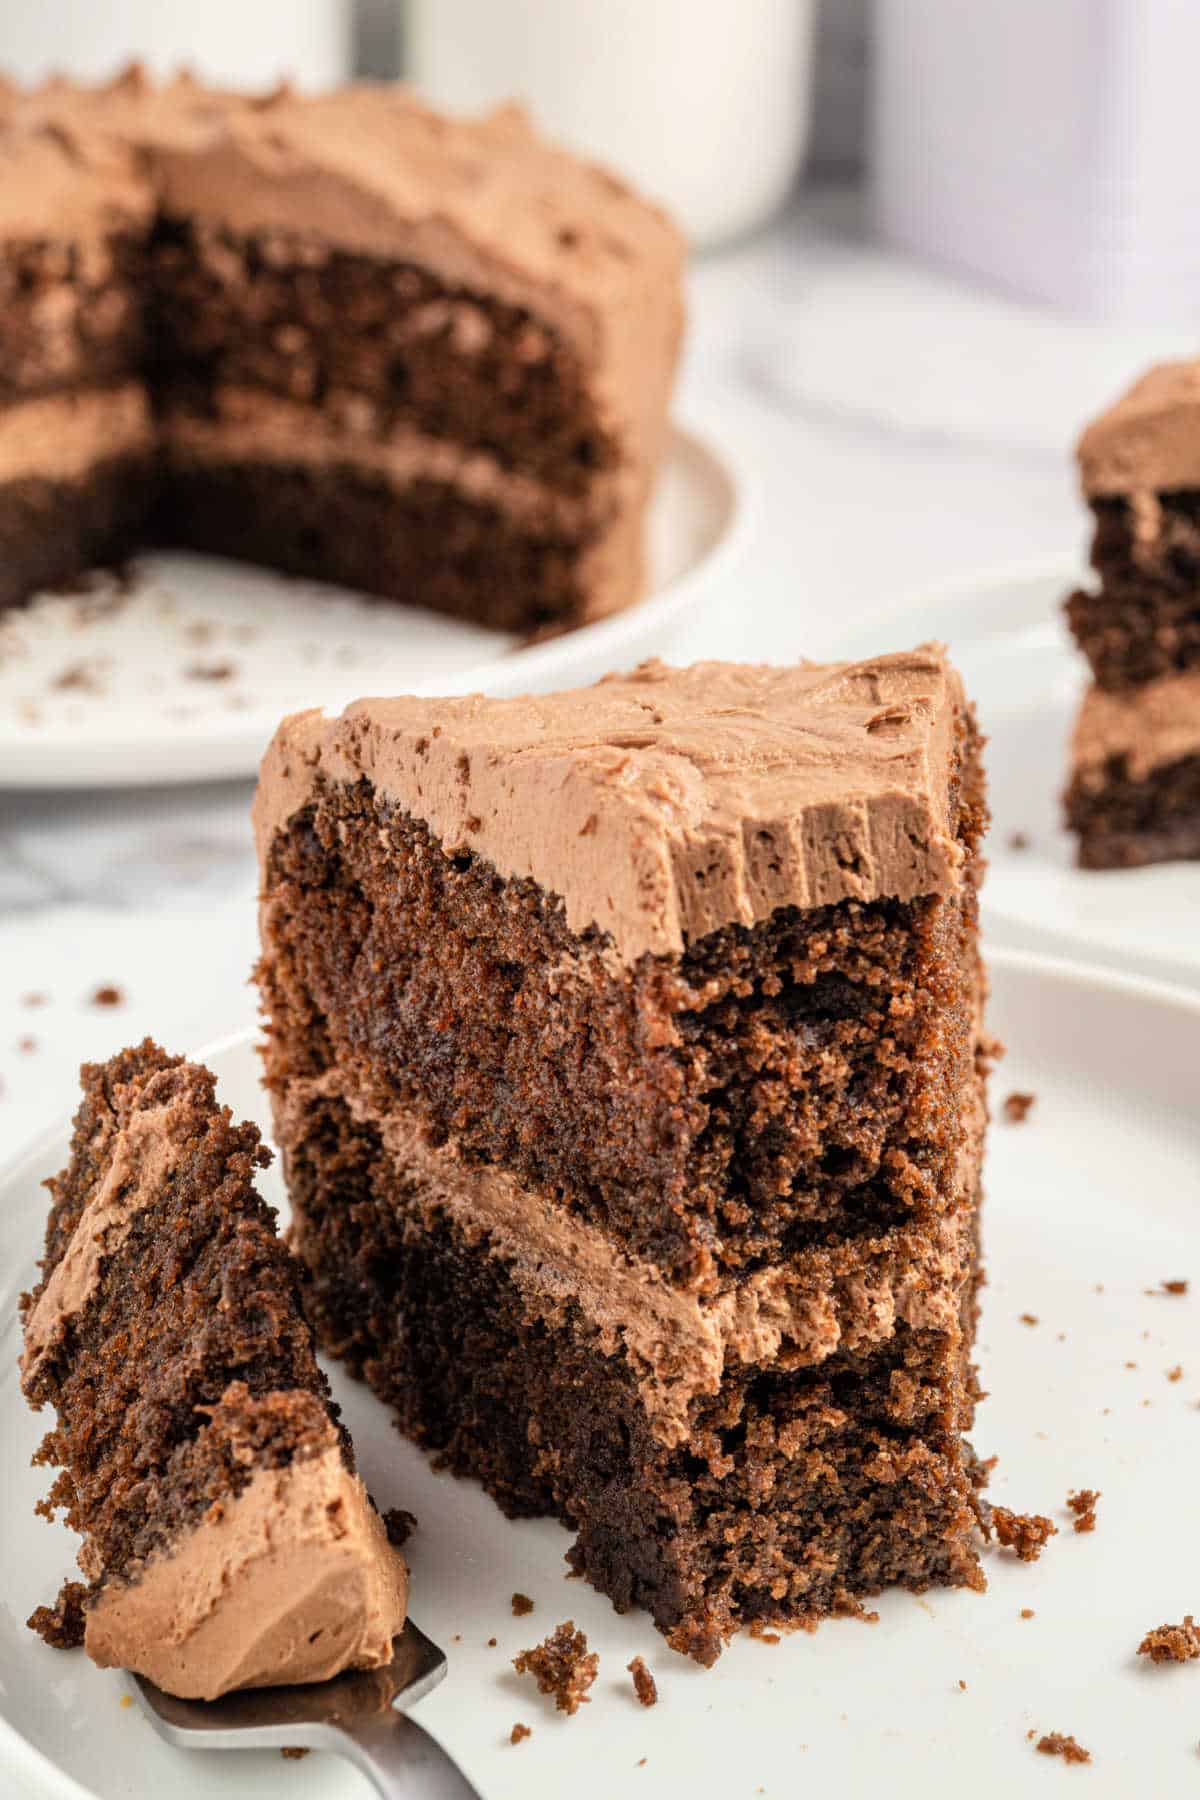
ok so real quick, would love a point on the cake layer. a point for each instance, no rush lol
(51, 530)
(848, 1297)
(199, 1451)
(71, 313)
(1144, 621)
(420, 539)
(375, 346)
(772, 1086)
(775, 1494)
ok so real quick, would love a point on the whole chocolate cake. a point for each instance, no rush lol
(626, 1059)
(228, 1541)
(341, 335)
(1134, 794)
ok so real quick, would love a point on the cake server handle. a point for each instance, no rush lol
(402, 1761)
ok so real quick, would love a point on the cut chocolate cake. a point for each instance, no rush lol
(625, 1053)
(228, 1541)
(1134, 795)
(426, 358)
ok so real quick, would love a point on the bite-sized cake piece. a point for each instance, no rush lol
(1134, 795)
(424, 357)
(1140, 471)
(625, 1053)
(228, 1541)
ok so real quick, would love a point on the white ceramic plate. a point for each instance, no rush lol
(1092, 1201)
(1008, 636)
(186, 676)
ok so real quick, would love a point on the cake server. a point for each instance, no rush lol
(361, 1715)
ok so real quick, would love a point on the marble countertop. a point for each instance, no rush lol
(899, 430)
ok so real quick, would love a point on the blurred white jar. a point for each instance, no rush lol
(235, 43)
(703, 104)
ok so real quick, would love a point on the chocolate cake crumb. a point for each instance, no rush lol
(1027, 1612)
(27, 1045)
(1169, 1287)
(1017, 1107)
(36, 998)
(1018, 840)
(61, 1625)
(644, 1683)
(1026, 1533)
(1055, 1743)
(107, 995)
(1175, 1374)
(293, 1752)
(218, 671)
(962, 1684)
(78, 678)
(1029, 1319)
(399, 1525)
(491, 1643)
(519, 1732)
(1172, 1643)
(1082, 1503)
(522, 1606)
(562, 1665)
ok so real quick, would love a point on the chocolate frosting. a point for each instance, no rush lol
(1149, 726)
(292, 1580)
(662, 805)
(1149, 440)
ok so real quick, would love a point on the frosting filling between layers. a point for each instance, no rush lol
(61, 437)
(254, 427)
(849, 1297)
(144, 1156)
(663, 805)
(292, 1580)
(1150, 726)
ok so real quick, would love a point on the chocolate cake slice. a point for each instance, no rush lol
(1139, 466)
(1134, 795)
(426, 358)
(625, 1052)
(228, 1541)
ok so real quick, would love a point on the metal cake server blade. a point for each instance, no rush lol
(361, 1715)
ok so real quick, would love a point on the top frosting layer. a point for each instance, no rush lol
(665, 804)
(1150, 439)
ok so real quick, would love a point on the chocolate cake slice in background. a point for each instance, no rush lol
(427, 358)
(626, 1059)
(228, 1541)
(1134, 793)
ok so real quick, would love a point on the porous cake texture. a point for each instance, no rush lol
(626, 1060)
(1134, 793)
(341, 335)
(228, 1541)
